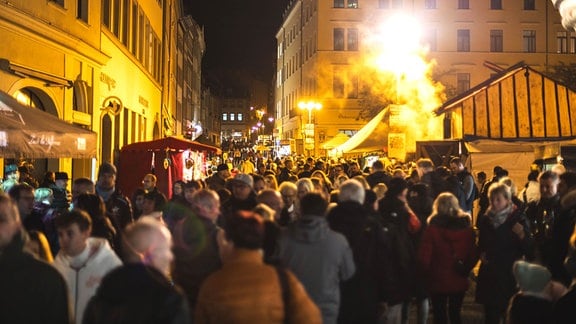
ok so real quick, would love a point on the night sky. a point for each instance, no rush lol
(240, 34)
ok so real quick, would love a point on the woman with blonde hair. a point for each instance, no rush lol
(446, 255)
(271, 182)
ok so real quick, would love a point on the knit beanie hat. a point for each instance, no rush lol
(531, 277)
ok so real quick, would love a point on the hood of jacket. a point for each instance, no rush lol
(309, 228)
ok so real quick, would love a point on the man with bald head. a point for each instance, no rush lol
(27, 283)
(272, 199)
(141, 290)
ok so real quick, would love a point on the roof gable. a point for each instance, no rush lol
(517, 103)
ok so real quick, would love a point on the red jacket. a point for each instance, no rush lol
(445, 240)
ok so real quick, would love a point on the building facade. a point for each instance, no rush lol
(109, 66)
(320, 41)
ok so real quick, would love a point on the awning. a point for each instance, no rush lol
(372, 137)
(26, 132)
(335, 141)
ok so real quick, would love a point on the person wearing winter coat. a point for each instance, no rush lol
(245, 289)
(82, 260)
(319, 257)
(360, 295)
(31, 291)
(446, 254)
(503, 238)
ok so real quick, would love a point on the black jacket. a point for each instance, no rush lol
(31, 291)
(136, 293)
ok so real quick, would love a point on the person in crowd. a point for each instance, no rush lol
(82, 260)
(503, 238)
(178, 193)
(466, 182)
(138, 202)
(247, 166)
(48, 179)
(335, 172)
(243, 197)
(261, 169)
(26, 176)
(380, 190)
(484, 200)
(563, 311)
(354, 169)
(60, 192)
(428, 175)
(272, 199)
(154, 205)
(378, 174)
(480, 179)
(140, 291)
(82, 186)
(532, 304)
(402, 225)
(190, 188)
(361, 295)
(269, 295)
(531, 190)
(288, 191)
(149, 183)
(319, 257)
(101, 225)
(118, 206)
(217, 180)
(32, 290)
(11, 177)
(195, 248)
(39, 247)
(23, 195)
(271, 182)
(286, 171)
(259, 183)
(446, 255)
(548, 229)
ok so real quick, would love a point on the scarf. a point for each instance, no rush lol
(498, 218)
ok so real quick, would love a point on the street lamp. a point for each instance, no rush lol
(309, 130)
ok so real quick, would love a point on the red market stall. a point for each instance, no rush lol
(170, 159)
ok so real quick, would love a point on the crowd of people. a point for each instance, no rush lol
(290, 242)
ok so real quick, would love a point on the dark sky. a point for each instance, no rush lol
(240, 34)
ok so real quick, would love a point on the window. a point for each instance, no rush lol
(352, 3)
(463, 82)
(562, 42)
(240, 117)
(430, 4)
(496, 40)
(338, 39)
(572, 43)
(58, 2)
(224, 116)
(352, 39)
(82, 10)
(463, 41)
(338, 3)
(529, 4)
(529, 41)
(352, 86)
(495, 4)
(106, 13)
(232, 117)
(463, 4)
(384, 4)
(337, 85)
(430, 39)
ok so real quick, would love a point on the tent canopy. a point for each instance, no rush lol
(166, 158)
(372, 137)
(33, 133)
(335, 141)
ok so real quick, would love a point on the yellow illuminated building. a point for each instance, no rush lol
(321, 44)
(99, 64)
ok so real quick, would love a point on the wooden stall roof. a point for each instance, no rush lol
(518, 103)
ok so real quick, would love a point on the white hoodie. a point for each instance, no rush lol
(84, 272)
